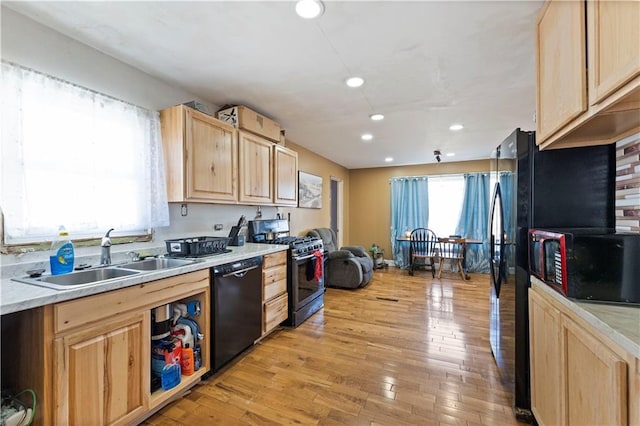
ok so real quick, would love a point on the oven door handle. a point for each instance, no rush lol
(304, 257)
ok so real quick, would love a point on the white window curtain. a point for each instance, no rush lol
(78, 158)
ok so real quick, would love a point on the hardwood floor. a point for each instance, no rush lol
(404, 350)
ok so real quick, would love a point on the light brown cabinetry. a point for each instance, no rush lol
(285, 176)
(545, 344)
(588, 72)
(90, 358)
(256, 165)
(100, 374)
(596, 379)
(274, 291)
(201, 157)
(578, 375)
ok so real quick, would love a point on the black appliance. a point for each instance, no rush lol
(562, 188)
(305, 288)
(587, 263)
(236, 314)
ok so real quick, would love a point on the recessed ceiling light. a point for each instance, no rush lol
(450, 154)
(388, 159)
(456, 127)
(376, 117)
(309, 9)
(366, 137)
(355, 82)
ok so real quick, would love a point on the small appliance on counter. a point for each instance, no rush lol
(587, 263)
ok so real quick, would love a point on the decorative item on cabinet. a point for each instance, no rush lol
(594, 103)
(246, 119)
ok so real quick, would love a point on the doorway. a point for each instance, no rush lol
(337, 208)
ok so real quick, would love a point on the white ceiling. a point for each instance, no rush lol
(427, 65)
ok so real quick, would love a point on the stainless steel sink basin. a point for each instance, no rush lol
(77, 279)
(156, 264)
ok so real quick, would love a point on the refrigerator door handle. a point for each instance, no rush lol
(496, 236)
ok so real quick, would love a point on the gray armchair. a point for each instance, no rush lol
(349, 267)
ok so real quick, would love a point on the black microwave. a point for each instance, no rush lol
(587, 263)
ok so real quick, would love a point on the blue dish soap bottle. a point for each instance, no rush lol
(62, 253)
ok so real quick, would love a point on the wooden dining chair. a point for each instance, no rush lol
(452, 250)
(423, 244)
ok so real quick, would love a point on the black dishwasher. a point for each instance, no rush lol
(236, 314)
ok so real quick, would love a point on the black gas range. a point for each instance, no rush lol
(305, 267)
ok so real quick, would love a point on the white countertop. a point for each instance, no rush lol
(16, 296)
(619, 322)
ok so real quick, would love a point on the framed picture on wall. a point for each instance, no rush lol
(309, 191)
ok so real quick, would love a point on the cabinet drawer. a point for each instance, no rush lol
(80, 312)
(275, 311)
(272, 275)
(274, 288)
(271, 260)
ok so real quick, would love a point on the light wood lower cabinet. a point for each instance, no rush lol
(95, 352)
(596, 379)
(578, 375)
(545, 345)
(274, 291)
(101, 372)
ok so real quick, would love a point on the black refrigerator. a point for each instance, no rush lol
(561, 188)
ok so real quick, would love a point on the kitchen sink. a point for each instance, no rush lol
(100, 274)
(77, 279)
(156, 264)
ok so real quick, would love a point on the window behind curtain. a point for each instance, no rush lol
(445, 201)
(78, 158)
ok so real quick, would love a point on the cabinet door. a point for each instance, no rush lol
(256, 166)
(102, 372)
(212, 161)
(562, 78)
(286, 176)
(546, 361)
(614, 46)
(596, 380)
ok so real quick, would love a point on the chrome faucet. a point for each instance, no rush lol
(105, 249)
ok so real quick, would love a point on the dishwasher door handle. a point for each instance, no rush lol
(240, 273)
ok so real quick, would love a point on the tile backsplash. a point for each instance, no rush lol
(628, 184)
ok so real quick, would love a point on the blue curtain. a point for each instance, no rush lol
(409, 210)
(474, 220)
(507, 183)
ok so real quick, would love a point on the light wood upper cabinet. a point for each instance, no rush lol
(614, 39)
(596, 379)
(101, 372)
(588, 78)
(546, 353)
(562, 77)
(285, 176)
(201, 156)
(256, 166)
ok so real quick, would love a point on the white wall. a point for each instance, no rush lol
(28, 43)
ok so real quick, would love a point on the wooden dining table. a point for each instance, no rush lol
(405, 239)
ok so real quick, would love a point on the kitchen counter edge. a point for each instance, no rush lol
(16, 296)
(621, 323)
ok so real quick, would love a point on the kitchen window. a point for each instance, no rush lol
(78, 158)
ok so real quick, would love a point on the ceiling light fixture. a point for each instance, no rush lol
(388, 159)
(437, 154)
(451, 154)
(456, 127)
(376, 117)
(366, 137)
(309, 9)
(355, 82)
